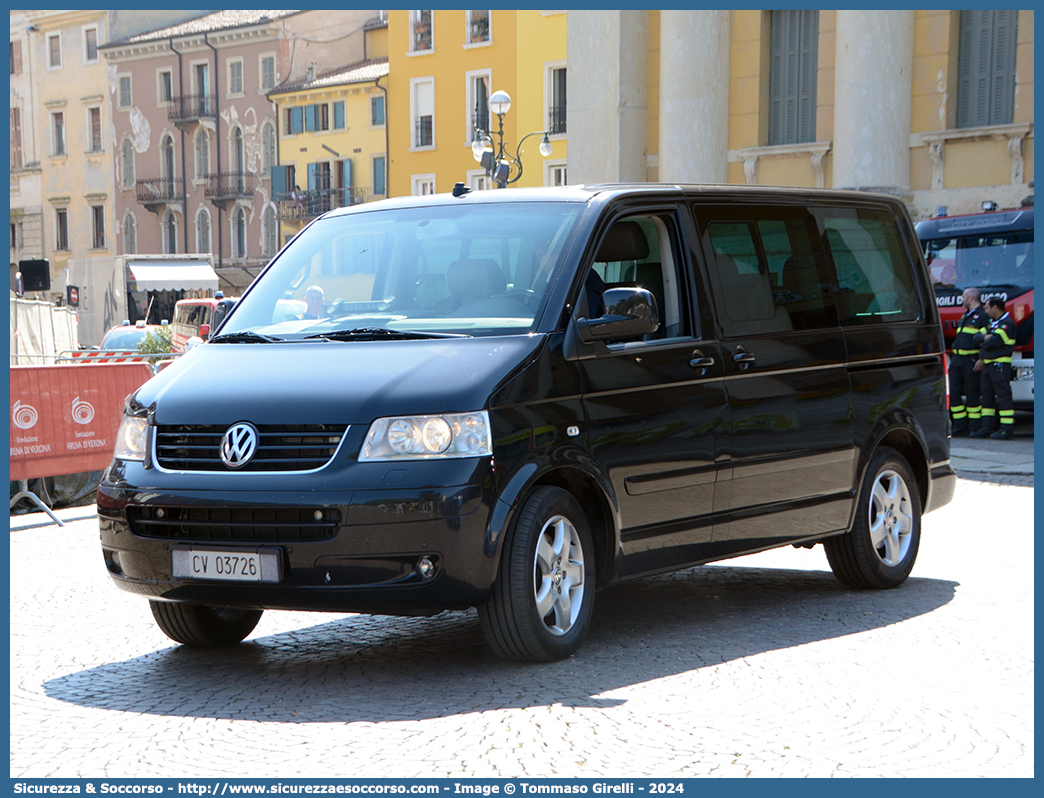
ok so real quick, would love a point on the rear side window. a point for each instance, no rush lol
(769, 274)
(874, 279)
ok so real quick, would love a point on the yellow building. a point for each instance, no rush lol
(332, 142)
(444, 66)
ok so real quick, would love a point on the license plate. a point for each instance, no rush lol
(226, 566)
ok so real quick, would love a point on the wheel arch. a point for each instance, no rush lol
(902, 432)
(594, 494)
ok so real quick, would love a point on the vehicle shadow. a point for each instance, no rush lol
(379, 669)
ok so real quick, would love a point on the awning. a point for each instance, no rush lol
(172, 276)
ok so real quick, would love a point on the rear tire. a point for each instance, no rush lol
(541, 604)
(880, 550)
(201, 625)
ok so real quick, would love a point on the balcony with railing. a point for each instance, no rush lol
(157, 192)
(223, 188)
(187, 109)
(556, 117)
(309, 204)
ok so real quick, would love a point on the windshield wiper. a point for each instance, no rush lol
(382, 333)
(246, 337)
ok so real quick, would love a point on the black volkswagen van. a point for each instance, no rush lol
(509, 399)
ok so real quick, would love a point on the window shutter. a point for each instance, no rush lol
(793, 57)
(339, 115)
(346, 173)
(280, 181)
(295, 119)
(1002, 105)
(310, 117)
(986, 68)
(268, 72)
(16, 58)
(378, 176)
(16, 138)
(313, 177)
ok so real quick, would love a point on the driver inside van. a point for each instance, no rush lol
(314, 295)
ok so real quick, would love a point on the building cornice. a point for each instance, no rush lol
(191, 42)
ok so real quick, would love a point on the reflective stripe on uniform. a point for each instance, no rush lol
(966, 351)
(996, 360)
(1004, 336)
(989, 412)
(974, 413)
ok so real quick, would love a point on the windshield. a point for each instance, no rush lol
(123, 338)
(981, 261)
(474, 269)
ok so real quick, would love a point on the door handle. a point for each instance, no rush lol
(743, 358)
(698, 361)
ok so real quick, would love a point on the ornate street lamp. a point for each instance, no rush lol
(498, 162)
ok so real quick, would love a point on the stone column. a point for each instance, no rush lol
(872, 98)
(607, 56)
(694, 96)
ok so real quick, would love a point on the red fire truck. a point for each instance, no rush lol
(991, 251)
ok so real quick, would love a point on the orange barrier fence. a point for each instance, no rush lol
(64, 419)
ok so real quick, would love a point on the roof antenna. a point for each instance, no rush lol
(459, 189)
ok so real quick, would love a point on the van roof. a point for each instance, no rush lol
(585, 193)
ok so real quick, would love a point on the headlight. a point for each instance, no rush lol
(130, 440)
(427, 437)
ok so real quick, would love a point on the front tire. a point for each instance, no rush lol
(204, 626)
(540, 607)
(880, 550)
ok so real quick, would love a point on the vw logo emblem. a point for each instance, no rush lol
(239, 445)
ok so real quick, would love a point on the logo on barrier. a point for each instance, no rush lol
(239, 445)
(24, 416)
(82, 412)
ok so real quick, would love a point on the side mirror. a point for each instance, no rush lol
(204, 331)
(192, 343)
(630, 313)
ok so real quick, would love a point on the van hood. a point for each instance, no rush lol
(333, 382)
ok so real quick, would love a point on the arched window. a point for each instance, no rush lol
(127, 164)
(167, 158)
(170, 234)
(202, 153)
(268, 148)
(239, 233)
(130, 235)
(203, 230)
(271, 231)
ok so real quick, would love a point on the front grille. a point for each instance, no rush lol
(241, 524)
(281, 447)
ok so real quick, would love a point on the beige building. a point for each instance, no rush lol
(61, 153)
(26, 209)
(934, 106)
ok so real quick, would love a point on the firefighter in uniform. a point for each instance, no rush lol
(996, 347)
(965, 367)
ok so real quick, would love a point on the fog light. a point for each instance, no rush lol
(318, 515)
(426, 568)
(160, 512)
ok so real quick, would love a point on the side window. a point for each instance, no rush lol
(766, 270)
(874, 280)
(642, 251)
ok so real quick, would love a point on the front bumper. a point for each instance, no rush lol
(1022, 383)
(365, 563)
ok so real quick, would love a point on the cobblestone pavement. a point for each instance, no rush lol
(763, 666)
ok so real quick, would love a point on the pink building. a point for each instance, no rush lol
(195, 137)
